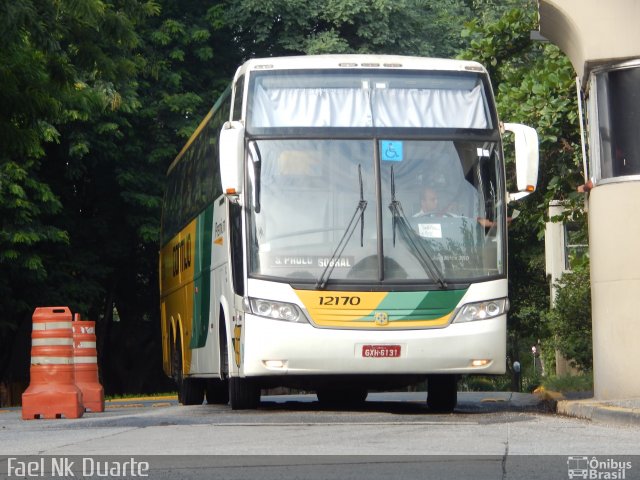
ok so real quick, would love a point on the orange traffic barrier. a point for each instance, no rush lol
(52, 392)
(86, 364)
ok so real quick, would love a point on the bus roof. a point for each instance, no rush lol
(397, 62)
(350, 61)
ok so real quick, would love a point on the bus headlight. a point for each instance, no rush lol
(287, 312)
(482, 310)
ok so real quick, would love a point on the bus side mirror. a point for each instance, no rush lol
(231, 157)
(526, 143)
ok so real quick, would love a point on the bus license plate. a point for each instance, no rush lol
(381, 351)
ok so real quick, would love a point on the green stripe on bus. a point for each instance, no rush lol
(202, 278)
(413, 306)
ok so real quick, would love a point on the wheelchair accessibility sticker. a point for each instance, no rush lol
(391, 150)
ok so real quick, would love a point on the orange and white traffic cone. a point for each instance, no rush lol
(86, 364)
(52, 391)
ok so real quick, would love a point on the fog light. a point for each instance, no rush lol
(480, 363)
(275, 363)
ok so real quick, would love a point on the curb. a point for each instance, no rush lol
(141, 402)
(599, 411)
(548, 399)
(614, 412)
(141, 399)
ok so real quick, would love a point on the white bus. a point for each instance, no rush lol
(337, 224)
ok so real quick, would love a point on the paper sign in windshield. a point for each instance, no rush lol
(430, 230)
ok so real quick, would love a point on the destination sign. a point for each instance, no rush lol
(311, 261)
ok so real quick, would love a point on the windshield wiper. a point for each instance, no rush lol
(416, 245)
(346, 236)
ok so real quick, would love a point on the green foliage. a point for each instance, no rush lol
(570, 318)
(285, 27)
(479, 383)
(534, 85)
(497, 43)
(98, 97)
(67, 71)
(30, 93)
(569, 383)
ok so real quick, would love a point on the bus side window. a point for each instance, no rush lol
(237, 99)
(237, 256)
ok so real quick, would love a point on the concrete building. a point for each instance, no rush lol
(602, 40)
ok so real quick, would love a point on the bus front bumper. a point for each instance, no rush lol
(273, 347)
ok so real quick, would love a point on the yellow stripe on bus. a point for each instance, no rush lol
(366, 310)
(349, 306)
(177, 267)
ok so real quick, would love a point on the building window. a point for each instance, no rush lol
(615, 107)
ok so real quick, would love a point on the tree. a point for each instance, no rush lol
(570, 319)
(286, 27)
(186, 66)
(67, 80)
(37, 91)
(116, 162)
(534, 85)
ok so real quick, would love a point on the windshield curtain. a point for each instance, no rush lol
(366, 98)
(440, 210)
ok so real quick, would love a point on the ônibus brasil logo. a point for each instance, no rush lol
(595, 468)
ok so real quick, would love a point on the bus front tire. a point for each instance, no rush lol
(442, 393)
(244, 394)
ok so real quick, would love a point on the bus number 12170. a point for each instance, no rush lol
(337, 301)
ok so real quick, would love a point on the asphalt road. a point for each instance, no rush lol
(392, 436)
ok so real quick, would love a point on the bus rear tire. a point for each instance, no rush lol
(190, 390)
(244, 394)
(442, 393)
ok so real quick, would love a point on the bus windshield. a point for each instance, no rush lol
(426, 211)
